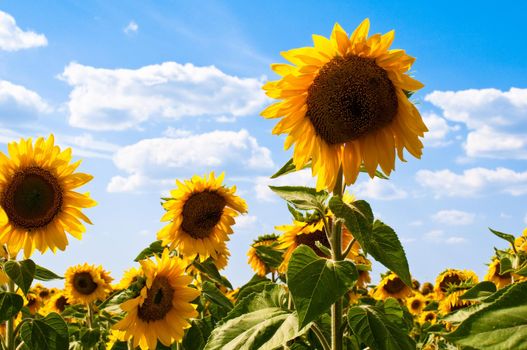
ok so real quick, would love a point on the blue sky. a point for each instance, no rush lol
(147, 92)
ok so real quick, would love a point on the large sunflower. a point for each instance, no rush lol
(453, 279)
(391, 286)
(201, 213)
(493, 275)
(258, 265)
(162, 309)
(38, 203)
(344, 103)
(84, 284)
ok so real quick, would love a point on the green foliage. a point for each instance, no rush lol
(10, 305)
(316, 283)
(210, 270)
(21, 272)
(499, 325)
(480, 291)
(197, 335)
(43, 274)
(219, 302)
(48, 333)
(509, 238)
(155, 248)
(302, 198)
(270, 256)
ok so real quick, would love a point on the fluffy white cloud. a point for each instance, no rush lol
(496, 120)
(298, 178)
(17, 97)
(438, 236)
(473, 182)
(86, 145)
(454, 217)
(154, 157)
(119, 99)
(131, 28)
(438, 130)
(379, 189)
(12, 38)
(245, 222)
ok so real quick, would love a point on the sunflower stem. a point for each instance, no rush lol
(320, 336)
(336, 251)
(10, 326)
(130, 344)
(89, 319)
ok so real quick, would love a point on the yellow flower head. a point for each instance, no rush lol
(38, 204)
(344, 103)
(162, 309)
(452, 302)
(428, 316)
(453, 278)
(85, 284)
(416, 303)
(493, 275)
(391, 286)
(129, 277)
(57, 303)
(201, 213)
(257, 264)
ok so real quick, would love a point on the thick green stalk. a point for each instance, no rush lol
(336, 251)
(10, 324)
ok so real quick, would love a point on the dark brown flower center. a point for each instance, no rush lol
(427, 288)
(416, 304)
(201, 212)
(158, 301)
(84, 283)
(43, 293)
(350, 97)
(32, 198)
(61, 303)
(309, 239)
(448, 281)
(394, 286)
(430, 316)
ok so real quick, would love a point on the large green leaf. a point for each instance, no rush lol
(260, 321)
(316, 283)
(197, 335)
(209, 268)
(270, 256)
(375, 330)
(256, 284)
(214, 295)
(480, 291)
(155, 248)
(499, 326)
(10, 305)
(509, 238)
(43, 274)
(48, 333)
(21, 272)
(303, 198)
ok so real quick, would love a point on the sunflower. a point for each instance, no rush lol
(493, 275)
(452, 302)
(57, 303)
(452, 278)
(201, 213)
(162, 309)
(391, 286)
(32, 302)
(427, 289)
(257, 264)
(344, 104)
(129, 277)
(309, 233)
(85, 284)
(37, 201)
(428, 316)
(364, 268)
(416, 303)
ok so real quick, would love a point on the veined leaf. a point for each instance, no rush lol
(509, 238)
(10, 305)
(480, 291)
(270, 256)
(48, 333)
(303, 198)
(358, 218)
(21, 272)
(209, 268)
(155, 248)
(43, 274)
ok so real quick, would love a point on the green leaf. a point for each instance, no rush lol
(505, 265)
(155, 248)
(509, 238)
(256, 284)
(260, 321)
(303, 198)
(522, 270)
(21, 272)
(316, 283)
(212, 293)
(358, 218)
(196, 337)
(43, 274)
(271, 257)
(480, 291)
(209, 268)
(48, 333)
(375, 330)
(10, 305)
(90, 337)
(288, 168)
(499, 326)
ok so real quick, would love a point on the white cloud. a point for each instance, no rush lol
(152, 158)
(131, 28)
(455, 240)
(175, 133)
(496, 120)
(379, 189)
(12, 38)
(86, 145)
(438, 236)
(15, 97)
(438, 130)
(244, 222)
(298, 178)
(454, 217)
(473, 182)
(119, 99)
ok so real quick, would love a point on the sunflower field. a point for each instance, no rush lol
(345, 106)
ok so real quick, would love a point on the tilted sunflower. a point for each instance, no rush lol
(452, 278)
(428, 316)
(344, 104)
(493, 275)
(84, 284)
(427, 289)
(162, 309)
(38, 204)
(416, 303)
(257, 264)
(57, 303)
(452, 302)
(391, 286)
(521, 242)
(129, 276)
(201, 213)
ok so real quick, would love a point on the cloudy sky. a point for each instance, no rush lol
(149, 92)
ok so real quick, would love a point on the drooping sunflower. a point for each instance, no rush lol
(38, 204)
(427, 288)
(257, 264)
(416, 303)
(391, 286)
(201, 213)
(162, 309)
(129, 277)
(452, 278)
(84, 284)
(57, 303)
(493, 275)
(452, 302)
(364, 268)
(344, 103)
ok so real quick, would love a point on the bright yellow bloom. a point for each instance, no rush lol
(257, 264)
(201, 213)
(162, 309)
(391, 286)
(416, 303)
(344, 103)
(57, 303)
(129, 277)
(452, 278)
(38, 204)
(428, 316)
(493, 275)
(452, 302)
(84, 284)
